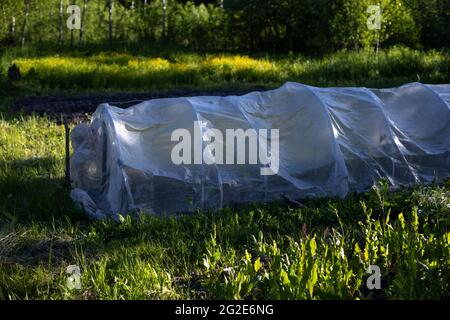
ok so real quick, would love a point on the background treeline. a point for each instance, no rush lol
(310, 26)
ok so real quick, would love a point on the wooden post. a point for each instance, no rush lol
(67, 135)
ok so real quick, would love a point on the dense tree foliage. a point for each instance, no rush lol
(311, 26)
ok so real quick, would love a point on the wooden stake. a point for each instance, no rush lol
(67, 131)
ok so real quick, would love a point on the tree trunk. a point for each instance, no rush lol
(164, 9)
(146, 32)
(83, 16)
(111, 7)
(13, 28)
(25, 22)
(60, 24)
(71, 31)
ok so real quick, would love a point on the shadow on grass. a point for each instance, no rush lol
(42, 226)
(30, 192)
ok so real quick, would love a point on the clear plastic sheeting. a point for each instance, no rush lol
(332, 141)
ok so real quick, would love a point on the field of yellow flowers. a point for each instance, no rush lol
(124, 71)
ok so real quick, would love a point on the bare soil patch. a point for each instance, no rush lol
(77, 108)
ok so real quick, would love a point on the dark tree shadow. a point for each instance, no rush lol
(33, 190)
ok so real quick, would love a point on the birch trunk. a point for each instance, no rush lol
(25, 22)
(60, 24)
(164, 9)
(111, 7)
(83, 23)
(13, 28)
(71, 31)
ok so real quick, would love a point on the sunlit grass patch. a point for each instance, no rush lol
(30, 137)
(240, 64)
(241, 68)
(124, 71)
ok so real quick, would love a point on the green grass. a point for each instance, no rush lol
(84, 71)
(267, 251)
(261, 252)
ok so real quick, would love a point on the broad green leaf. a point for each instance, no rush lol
(257, 264)
(284, 277)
